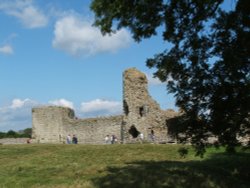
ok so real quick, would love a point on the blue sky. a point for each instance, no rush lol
(51, 55)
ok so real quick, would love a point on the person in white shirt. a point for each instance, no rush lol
(106, 139)
(68, 139)
(141, 137)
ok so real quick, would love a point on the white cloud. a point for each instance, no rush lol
(17, 115)
(6, 49)
(18, 103)
(24, 10)
(100, 107)
(79, 38)
(152, 80)
(62, 102)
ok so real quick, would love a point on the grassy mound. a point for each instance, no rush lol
(113, 166)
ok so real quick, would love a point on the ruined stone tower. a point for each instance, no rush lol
(140, 110)
(141, 114)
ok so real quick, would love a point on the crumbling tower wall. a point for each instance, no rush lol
(140, 110)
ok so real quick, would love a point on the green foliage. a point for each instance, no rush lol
(11, 134)
(207, 67)
(26, 133)
(2, 135)
(129, 14)
(183, 152)
(134, 165)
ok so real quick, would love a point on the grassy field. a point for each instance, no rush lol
(117, 166)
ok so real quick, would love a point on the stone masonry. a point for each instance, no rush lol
(141, 110)
(52, 124)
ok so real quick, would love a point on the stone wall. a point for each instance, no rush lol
(140, 110)
(47, 123)
(13, 140)
(93, 130)
(52, 124)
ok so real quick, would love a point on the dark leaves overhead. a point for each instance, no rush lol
(207, 67)
(142, 17)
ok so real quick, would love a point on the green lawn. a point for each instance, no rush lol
(116, 166)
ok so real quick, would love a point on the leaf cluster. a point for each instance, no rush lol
(207, 67)
(26, 133)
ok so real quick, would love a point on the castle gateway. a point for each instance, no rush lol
(140, 114)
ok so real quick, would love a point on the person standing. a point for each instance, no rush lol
(106, 139)
(112, 139)
(74, 139)
(141, 137)
(68, 139)
(152, 135)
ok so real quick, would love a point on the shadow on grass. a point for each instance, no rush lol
(220, 171)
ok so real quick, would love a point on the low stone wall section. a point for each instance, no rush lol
(13, 140)
(92, 130)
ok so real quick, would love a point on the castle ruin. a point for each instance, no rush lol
(140, 114)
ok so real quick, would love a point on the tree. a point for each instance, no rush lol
(27, 132)
(11, 134)
(2, 135)
(208, 63)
